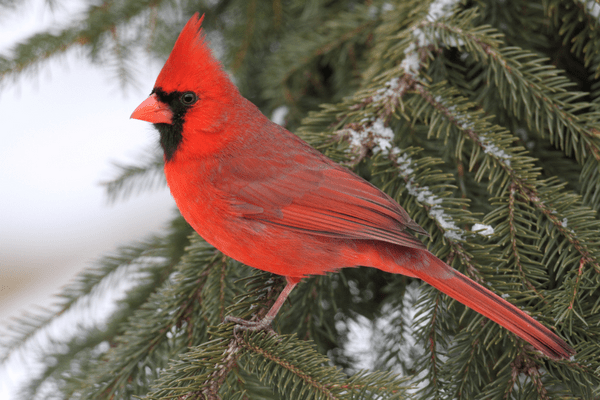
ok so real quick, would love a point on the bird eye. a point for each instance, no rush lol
(188, 98)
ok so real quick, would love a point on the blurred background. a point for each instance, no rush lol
(61, 130)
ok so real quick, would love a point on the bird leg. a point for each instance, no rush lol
(265, 323)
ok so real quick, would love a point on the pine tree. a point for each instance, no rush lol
(481, 118)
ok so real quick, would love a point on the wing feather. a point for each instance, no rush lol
(331, 202)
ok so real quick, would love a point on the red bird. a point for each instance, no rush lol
(266, 198)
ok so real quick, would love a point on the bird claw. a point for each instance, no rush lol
(252, 326)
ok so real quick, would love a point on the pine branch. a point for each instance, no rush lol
(25, 328)
(167, 323)
(446, 113)
(333, 39)
(290, 366)
(512, 164)
(99, 22)
(146, 175)
(429, 104)
(583, 37)
(429, 310)
(530, 89)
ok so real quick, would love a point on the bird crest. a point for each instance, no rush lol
(191, 65)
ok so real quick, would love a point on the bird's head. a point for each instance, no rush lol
(191, 95)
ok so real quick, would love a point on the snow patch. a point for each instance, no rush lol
(490, 148)
(592, 7)
(279, 115)
(465, 123)
(483, 230)
(389, 91)
(440, 9)
(376, 133)
(437, 9)
(427, 197)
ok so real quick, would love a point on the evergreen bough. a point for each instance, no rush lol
(480, 118)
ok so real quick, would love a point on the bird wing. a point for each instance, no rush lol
(327, 200)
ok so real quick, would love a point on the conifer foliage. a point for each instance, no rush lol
(481, 118)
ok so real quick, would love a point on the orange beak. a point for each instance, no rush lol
(153, 110)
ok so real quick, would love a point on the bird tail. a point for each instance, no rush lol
(456, 285)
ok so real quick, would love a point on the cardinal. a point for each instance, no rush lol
(264, 197)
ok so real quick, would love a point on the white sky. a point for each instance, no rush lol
(61, 128)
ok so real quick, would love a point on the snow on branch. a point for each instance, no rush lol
(437, 10)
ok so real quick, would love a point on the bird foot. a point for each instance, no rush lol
(252, 326)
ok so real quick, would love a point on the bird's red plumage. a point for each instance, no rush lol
(263, 196)
(191, 62)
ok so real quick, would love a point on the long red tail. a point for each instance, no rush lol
(456, 285)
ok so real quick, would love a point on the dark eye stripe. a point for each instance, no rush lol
(171, 135)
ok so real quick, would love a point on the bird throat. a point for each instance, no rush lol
(171, 135)
(170, 138)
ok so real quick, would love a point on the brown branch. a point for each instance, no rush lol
(579, 273)
(513, 241)
(532, 196)
(222, 288)
(290, 367)
(524, 364)
(215, 380)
